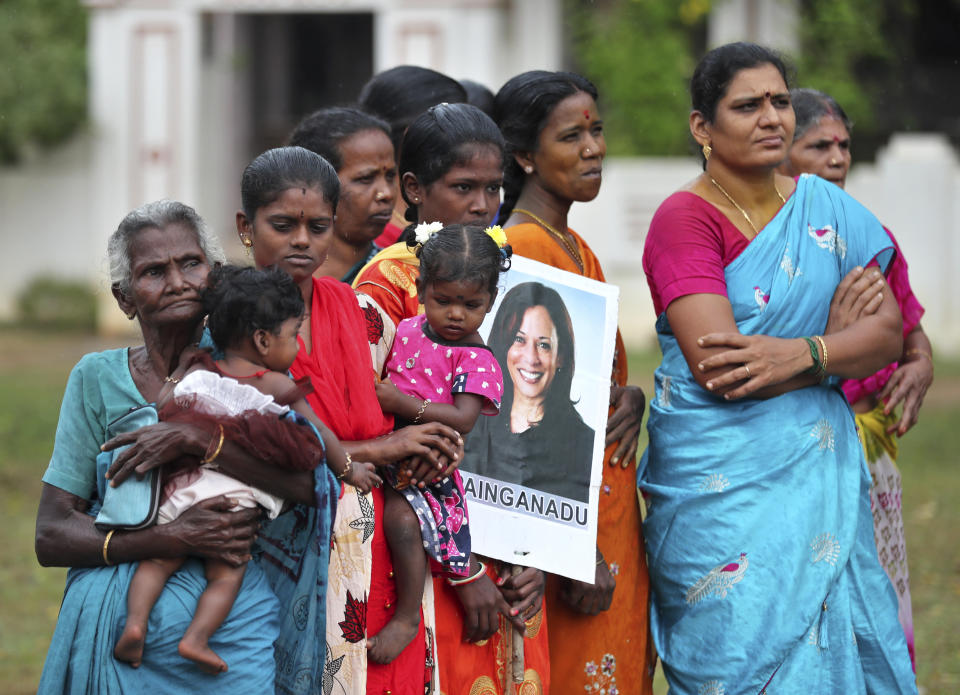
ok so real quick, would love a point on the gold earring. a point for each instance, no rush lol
(132, 315)
(706, 149)
(247, 245)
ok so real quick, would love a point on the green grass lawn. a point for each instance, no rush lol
(33, 372)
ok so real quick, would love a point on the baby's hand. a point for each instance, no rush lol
(362, 475)
(388, 394)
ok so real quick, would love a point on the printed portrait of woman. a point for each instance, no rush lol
(538, 440)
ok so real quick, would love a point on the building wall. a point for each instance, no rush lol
(45, 223)
(912, 188)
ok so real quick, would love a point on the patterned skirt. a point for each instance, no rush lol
(886, 492)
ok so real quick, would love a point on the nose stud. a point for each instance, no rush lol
(833, 162)
(379, 196)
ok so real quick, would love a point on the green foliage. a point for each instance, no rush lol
(640, 55)
(43, 84)
(51, 303)
(842, 44)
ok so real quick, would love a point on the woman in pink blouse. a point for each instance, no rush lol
(821, 146)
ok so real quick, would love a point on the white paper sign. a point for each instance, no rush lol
(532, 474)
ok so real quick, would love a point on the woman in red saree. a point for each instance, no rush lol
(599, 634)
(289, 200)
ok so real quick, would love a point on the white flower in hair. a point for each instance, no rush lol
(425, 230)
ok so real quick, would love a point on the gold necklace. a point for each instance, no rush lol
(571, 249)
(742, 211)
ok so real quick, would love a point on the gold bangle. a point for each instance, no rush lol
(416, 420)
(106, 546)
(823, 347)
(346, 469)
(918, 351)
(600, 561)
(210, 458)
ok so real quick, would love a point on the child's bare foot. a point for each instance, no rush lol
(201, 653)
(129, 647)
(387, 644)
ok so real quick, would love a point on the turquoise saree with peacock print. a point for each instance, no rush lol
(764, 573)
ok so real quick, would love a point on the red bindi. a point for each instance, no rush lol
(586, 114)
(836, 138)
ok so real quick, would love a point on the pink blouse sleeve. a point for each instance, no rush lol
(684, 251)
(912, 311)
(899, 282)
(478, 372)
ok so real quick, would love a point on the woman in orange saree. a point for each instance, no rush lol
(599, 634)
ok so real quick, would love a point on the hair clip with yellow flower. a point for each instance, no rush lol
(496, 233)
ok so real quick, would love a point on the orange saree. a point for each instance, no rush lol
(485, 668)
(611, 651)
(390, 279)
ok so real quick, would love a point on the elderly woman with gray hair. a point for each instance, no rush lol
(159, 260)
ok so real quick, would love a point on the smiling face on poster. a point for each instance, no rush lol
(532, 473)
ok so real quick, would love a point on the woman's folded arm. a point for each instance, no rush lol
(67, 537)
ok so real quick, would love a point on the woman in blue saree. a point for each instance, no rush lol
(759, 531)
(273, 637)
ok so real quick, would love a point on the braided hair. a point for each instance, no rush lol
(521, 109)
(461, 253)
(440, 138)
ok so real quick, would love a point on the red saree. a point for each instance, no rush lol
(343, 377)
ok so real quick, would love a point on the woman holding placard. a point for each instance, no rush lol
(555, 149)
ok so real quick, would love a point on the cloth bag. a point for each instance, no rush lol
(132, 504)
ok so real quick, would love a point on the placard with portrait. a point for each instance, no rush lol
(532, 473)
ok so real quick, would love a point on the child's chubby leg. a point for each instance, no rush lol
(145, 588)
(223, 585)
(410, 569)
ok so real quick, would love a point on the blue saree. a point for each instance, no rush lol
(763, 569)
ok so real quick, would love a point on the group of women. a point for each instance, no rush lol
(769, 290)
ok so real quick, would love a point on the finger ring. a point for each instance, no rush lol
(747, 370)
